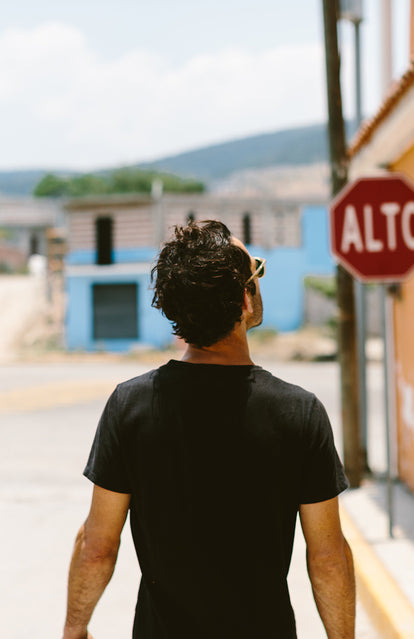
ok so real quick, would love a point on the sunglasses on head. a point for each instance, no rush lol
(260, 268)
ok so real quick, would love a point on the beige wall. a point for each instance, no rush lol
(404, 356)
(273, 223)
(132, 227)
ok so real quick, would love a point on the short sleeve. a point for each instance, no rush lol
(323, 476)
(106, 464)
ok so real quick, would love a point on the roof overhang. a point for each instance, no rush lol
(385, 137)
(122, 200)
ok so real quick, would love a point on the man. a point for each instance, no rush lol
(214, 457)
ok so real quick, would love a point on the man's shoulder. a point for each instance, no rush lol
(268, 382)
(142, 381)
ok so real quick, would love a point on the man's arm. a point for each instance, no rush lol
(330, 568)
(94, 558)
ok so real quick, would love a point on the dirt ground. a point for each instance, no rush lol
(31, 315)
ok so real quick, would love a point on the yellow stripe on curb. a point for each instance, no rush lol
(387, 606)
(53, 395)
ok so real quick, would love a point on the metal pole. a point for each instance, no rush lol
(358, 84)
(360, 290)
(390, 482)
(386, 45)
(352, 10)
(361, 315)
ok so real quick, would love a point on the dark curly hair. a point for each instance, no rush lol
(200, 278)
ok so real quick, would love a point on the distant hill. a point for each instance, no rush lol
(296, 146)
(22, 183)
(304, 145)
(290, 147)
(19, 182)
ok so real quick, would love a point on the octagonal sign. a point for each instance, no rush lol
(372, 228)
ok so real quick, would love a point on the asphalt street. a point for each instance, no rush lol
(48, 416)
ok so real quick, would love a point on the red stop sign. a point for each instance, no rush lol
(372, 228)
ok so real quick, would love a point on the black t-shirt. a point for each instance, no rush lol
(217, 460)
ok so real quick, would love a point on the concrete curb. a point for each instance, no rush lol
(387, 606)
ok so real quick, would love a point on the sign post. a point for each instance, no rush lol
(372, 236)
(390, 482)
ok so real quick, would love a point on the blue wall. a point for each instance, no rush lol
(120, 256)
(282, 288)
(153, 329)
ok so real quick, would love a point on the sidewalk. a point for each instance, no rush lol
(384, 566)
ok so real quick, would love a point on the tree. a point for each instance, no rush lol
(51, 186)
(87, 184)
(119, 181)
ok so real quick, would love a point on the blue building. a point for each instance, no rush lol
(113, 242)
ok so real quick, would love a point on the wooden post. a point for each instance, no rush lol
(347, 344)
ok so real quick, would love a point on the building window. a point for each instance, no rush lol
(247, 229)
(34, 245)
(190, 217)
(104, 240)
(115, 311)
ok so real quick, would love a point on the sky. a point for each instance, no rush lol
(87, 84)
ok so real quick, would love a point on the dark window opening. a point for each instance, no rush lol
(34, 245)
(104, 240)
(247, 229)
(115, 311)
(190, 217)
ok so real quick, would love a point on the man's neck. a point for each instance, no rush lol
(231, 351)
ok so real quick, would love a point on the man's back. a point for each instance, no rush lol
(217, 460)
(214, 457)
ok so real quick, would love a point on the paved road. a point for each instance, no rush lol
(48, 416)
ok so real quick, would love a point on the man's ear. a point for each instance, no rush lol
(247, 302)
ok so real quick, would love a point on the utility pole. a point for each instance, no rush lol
(351, 10)
(347, 343)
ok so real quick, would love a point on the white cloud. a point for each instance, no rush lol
(62, 104)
